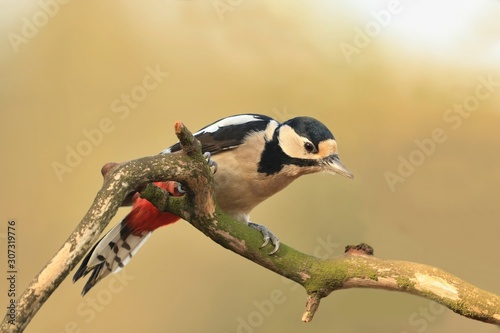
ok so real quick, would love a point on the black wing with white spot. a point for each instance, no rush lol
(227, 133)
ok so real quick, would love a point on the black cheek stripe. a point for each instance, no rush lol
(273, 159)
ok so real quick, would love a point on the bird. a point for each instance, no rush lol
(256, 157)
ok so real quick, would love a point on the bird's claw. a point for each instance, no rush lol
(268, 236)
(180, 188)
(211, 163)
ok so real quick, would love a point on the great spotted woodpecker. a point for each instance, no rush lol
(256, 158)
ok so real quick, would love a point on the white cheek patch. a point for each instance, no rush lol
(291, 143)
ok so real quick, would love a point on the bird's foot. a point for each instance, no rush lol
(181, 189)
(268, 236)
(211, 163)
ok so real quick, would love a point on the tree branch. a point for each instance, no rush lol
(120, 180)
(357, 268)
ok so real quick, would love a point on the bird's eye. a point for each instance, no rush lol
(309, 147)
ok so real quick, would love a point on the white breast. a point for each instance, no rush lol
(238, 185)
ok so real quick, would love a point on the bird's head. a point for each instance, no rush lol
(308, 146)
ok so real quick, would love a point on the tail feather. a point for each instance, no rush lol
(113, 251)
(83, 269)
(110, 254)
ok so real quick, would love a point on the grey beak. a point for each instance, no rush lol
(335, 166)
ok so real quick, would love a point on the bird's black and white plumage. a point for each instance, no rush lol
(227, 133)
(256, 157)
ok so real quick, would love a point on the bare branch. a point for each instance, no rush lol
(357, 268)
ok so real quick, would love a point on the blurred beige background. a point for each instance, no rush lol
(384, 77)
